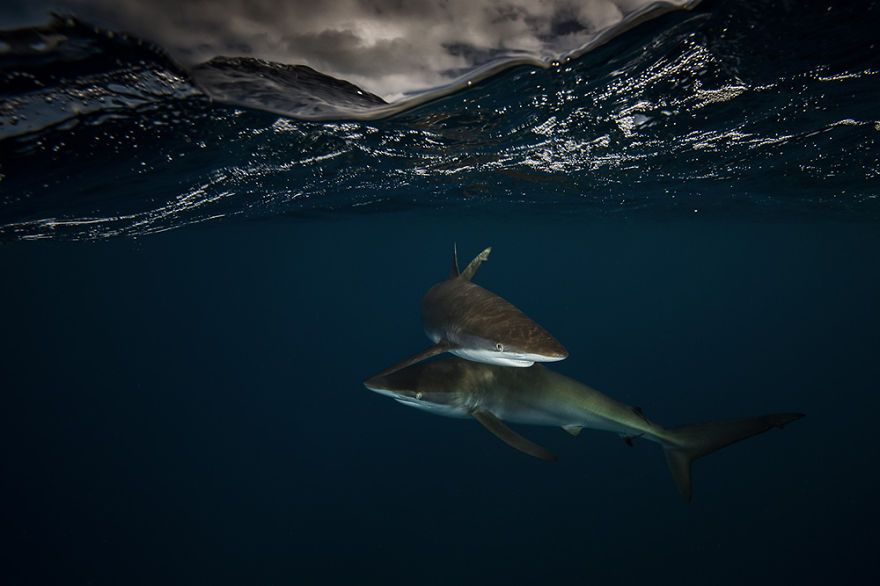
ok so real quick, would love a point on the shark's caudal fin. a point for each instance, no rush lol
(693, 441)
(468, 273)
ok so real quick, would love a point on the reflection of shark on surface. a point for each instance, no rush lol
(539, 396)
(467, 320)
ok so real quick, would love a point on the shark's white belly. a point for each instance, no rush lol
(492, 357)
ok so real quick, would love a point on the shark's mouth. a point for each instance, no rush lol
(521, 360)
(403, 399)
(385, 392)
(513, 361)
(408, 401)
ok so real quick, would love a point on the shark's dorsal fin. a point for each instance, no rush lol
(510, 437)
(453, 272)
(468, 273)
(638, 411)
(438, 348)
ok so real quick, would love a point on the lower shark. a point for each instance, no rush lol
(466, 320)
(536, 395)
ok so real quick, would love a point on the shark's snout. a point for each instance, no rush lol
(375, 383)
(539, 348)
(544, 344)
(395, 383)
(555, 354)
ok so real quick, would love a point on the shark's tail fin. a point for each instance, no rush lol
(689, 442)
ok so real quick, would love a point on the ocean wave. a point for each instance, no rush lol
(67, 68)
(392, 49)
(683, 115)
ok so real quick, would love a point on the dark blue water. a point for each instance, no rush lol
(193, 294)
(188, 407)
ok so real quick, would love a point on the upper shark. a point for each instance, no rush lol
(467, 320)
(493, 394)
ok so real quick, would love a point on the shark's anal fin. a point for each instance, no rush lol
(468, 273)
(438, 348)
(510, 437)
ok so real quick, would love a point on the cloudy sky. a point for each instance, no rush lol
(389, 47)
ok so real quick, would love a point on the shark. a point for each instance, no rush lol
(464, 319)
(536, 395)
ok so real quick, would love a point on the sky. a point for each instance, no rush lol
(389, 47)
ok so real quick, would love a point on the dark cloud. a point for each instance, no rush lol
(389, 47)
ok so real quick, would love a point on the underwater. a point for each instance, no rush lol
(218, 220)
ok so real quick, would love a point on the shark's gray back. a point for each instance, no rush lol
(461, 311)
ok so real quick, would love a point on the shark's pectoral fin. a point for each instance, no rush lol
(468, 273)
(438, 348)
(510, 437)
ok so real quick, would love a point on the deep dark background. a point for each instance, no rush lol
(188, 407)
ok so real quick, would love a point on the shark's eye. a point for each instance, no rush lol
(499, 346)
(419, 396)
